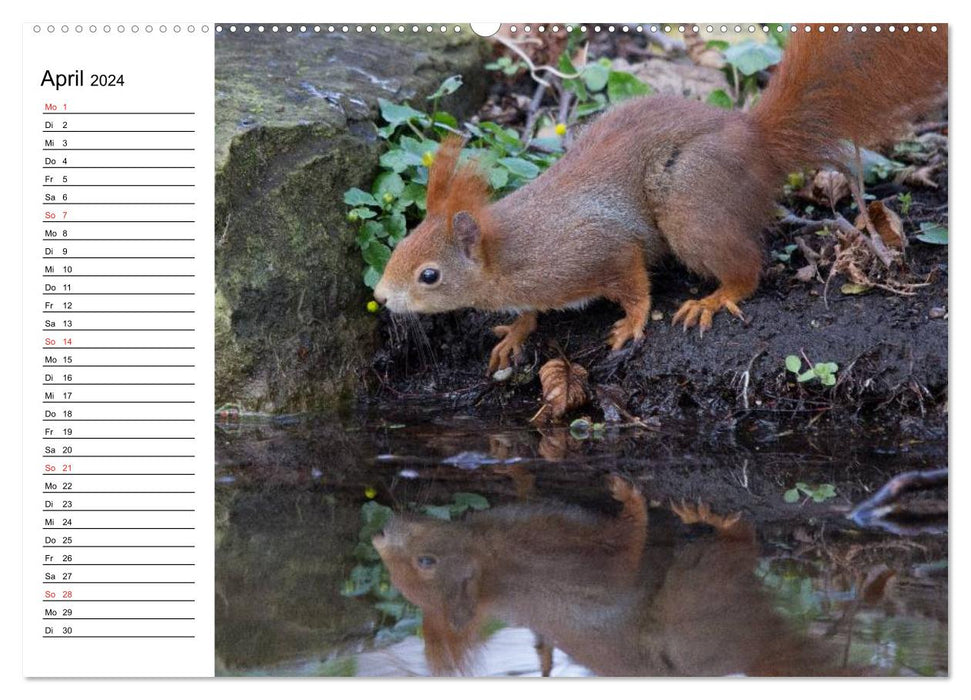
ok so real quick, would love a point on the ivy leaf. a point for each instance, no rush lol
(440, 512)
(358, 197)
(371, 277)
(396, 114)
(376, 255)
(396, 228)
(498, 177)
(470, 500)
(595, 77)
(750, 57)
(622, 86)
(448, 86)
(398, 159)
(362, 213)
(932, 233)
(520, 167)
(388, 183)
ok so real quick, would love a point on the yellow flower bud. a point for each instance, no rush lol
(370, 491)
(373, 307)
(560, 129)
(427, 158)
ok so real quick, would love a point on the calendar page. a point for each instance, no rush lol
(546, 349)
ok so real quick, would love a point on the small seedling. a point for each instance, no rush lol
(824, 371)
(906, 199)
(819, 492)
(786, 253)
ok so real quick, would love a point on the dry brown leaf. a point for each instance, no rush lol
(887, 224)
(920, 177)
(807, 273)
(564, 386)
(829, 187)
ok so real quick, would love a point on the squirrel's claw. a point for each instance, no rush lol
(509, 350)
(506, 352)
(730, 526)
(622, 332)
(699, 312)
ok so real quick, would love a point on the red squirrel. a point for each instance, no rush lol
(657, 176)
(600, 589)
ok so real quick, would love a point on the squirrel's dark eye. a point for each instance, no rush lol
(429, 275)
(426, 562)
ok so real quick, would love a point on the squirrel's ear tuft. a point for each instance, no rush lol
(441, 171)
(466, 233)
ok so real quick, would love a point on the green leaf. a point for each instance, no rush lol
(377, 255)
(828, 380)
(717, 44)
(720, 98)
(371, 277)
(791, 496)
(793, 363)
(369, 231)
(750, 57)
(573, 84)
(388, 183)
(520, 167)
(396, 227)
(399, 159)
(595, 77)
(806, 376)
(826, 491)
(448, 86)
(357, 197)
(507, 137)
(470, 500)
(932, 233)
(622, 86)
(830, 367)
(414, 194)
(498, 177)
(440, 512)
(596, 104)
(399, 114)
(362, 213)
(445, 118)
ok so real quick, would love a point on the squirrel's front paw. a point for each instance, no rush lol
(507, 351)
(623, 331)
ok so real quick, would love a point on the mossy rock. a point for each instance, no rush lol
(295, 127)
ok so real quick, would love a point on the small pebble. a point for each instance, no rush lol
(501, 375)
(937, 312)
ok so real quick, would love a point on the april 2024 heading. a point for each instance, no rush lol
(76, 79)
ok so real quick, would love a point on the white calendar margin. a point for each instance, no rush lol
(170, 68)
(516, 11)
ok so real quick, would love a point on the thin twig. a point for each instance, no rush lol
(533, 68)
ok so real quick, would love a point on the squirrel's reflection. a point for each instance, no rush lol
(615, 598)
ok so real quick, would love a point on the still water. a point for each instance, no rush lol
(676, 549)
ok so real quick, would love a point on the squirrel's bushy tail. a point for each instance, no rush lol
(841, 85)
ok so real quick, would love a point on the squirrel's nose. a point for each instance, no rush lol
(380, 297)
